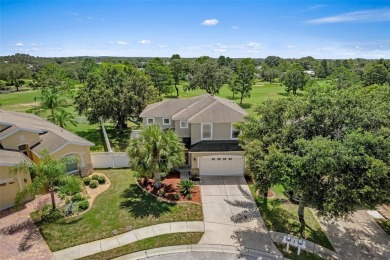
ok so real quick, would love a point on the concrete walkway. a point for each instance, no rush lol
(201, 251)
(127, 238)
(231, 216)
(358, 237)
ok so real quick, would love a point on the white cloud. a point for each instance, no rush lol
(235, 27)
(290, 46)
(253, 45)
(363, 16)
(19, 44)
(145, 42)
(210, 22)
(163, 46)
(122, 43)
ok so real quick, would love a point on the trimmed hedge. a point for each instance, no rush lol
(83, 205)
(102, 179)
(86, 181)
(94, 184)
(95, 177)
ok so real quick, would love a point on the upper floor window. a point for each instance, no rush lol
(234, 132)
(166, 121)
(207, 130)
(183, 124)
(150, 121)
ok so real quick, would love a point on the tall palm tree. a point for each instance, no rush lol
(47, 173)
(62, 118)
(155, 152)
(51, 100)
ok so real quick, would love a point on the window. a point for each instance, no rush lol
(71, 163)
(183, 124)
(234, 132)
(166, 121)
(207, 130)
(150, 121)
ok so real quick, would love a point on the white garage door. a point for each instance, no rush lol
(221, 165)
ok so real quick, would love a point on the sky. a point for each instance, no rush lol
(338, 29)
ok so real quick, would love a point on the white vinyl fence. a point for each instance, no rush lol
(110, 160)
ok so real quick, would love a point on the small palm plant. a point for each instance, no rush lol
(186, 187)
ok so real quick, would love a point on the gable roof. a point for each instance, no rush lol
(11, 158)
(204, 108)
(51, 135)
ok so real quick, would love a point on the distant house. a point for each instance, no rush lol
(206, 125)
(22, 137)
(311, 73)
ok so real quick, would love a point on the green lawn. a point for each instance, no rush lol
(281, 215)
(19, 101)
(123, 204)
(145, 244)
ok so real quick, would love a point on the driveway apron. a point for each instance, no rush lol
(231, 216)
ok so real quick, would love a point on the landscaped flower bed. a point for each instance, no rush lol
(170, 188)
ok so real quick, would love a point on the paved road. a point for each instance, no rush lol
(359, 237)
(231, 216)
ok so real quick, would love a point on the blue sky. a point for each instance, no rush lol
(257, 29)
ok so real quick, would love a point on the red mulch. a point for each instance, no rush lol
(270, 194)
(170, 188)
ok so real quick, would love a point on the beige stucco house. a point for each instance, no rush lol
(23, 137)
(206, 125)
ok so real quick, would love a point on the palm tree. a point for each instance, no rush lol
(62, 118)
(47, 173)
(51, 100)
(155, 152)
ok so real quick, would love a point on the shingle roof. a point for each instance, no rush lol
(11, 158)
(216, 146)
(204, 108)
(51, 135)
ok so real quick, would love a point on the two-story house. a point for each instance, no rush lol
(23, 137)
(206, 125)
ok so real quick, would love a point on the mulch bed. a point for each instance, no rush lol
(170, 186)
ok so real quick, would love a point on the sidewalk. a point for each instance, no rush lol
(127, 238)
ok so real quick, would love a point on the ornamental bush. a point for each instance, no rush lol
(186, 186)
(87, 180)
(94, 184)
(101, 179)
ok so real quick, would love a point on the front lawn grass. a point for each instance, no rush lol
(145, 244)
(279, 214)
(124, 205)
(19, 101)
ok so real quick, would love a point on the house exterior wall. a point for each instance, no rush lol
(182, 132)
(159, 121)
(83, 153)
(220, 131)
(193, 157)
(21, 137)
(8, 191)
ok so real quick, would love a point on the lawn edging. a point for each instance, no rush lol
(277, 237)
(166, 200)
(105, 244)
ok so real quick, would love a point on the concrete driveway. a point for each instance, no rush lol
(231, 216)
(358, 237)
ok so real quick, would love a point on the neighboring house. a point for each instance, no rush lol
(22, 137)
(206, 126)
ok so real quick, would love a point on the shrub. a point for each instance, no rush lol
(83, 205)
(189, 196)
(77, 197)
(94, 184)
(102, 179)
(176, 196)
(87, 180)
(161, 193)
(71, 186)
(95, 177)
(186, 186)
(50, 214)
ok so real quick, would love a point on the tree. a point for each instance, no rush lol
(51, 100)
(272, 61)
(15, 73)
(208, 76)
(270, 74)
(155, 152)
(54, 78)
(344, 78)
(160, 74)
(87, 66)
(177, 70)
(321, 70)
(376, 74)
(47, 173)
(233, 84)
(62, 118)
(295, 78)
(331, 146)
(245, 76)
(117, 92)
